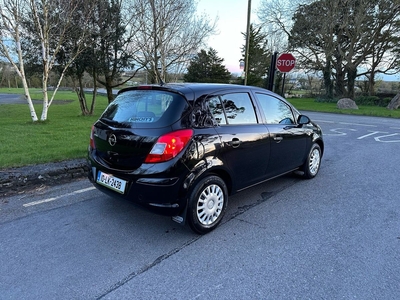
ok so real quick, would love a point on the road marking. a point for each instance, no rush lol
(339, 132)
(345, 123)
(324, 121)
(357, 124)
(378, 138)
(369, 134)
(58, 197)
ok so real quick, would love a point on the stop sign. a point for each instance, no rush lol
(285, 62)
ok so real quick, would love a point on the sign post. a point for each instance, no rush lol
(285, 63)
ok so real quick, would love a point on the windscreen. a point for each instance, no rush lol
(145, 109)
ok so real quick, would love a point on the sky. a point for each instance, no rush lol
(232, 21)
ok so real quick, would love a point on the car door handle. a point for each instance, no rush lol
(278, 139)
(235, 142)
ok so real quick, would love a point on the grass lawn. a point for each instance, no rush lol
(65, 135)
(309, 104)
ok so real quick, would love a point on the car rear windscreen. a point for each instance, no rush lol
(145, 109)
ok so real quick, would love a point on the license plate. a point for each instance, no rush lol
(111, 182)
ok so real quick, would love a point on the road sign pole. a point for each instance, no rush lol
(283, 85)
(272, 71)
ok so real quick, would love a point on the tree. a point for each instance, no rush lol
(112, 49)
(44, 24)
(313, 40)
(12, 13)
(342, 40)
(276, 21)
(340, 37)
(85, 62)
(53, 19)
(206, 66)
(259, 57)
(166, 35)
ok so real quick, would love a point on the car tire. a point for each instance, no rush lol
(313, 162)
(207, 204)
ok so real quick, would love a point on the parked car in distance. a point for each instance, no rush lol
(181, 149)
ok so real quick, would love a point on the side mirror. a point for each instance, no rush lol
(302, 120)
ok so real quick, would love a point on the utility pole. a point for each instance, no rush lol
(246, 63)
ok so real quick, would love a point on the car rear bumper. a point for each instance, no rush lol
(160, 195)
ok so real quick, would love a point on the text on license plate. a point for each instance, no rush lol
(111, 182)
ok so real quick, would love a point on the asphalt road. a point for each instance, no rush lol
(334, 237)
(11, 99)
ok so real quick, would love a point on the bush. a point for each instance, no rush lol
(366, 100)
(379, 100)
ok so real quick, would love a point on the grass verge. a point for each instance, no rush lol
(309, 104)
(65, 135)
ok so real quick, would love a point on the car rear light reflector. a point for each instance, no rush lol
(169, 145)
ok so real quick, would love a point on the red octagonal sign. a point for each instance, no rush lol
(285, 62)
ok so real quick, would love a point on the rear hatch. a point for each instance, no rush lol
(130, 126)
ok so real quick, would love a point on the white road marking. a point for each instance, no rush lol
(344, 123)
(58, 197)
(357, 124)
(324, 121)
(369, 134)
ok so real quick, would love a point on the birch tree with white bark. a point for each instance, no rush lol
(47, 22)
(53, 19)
(12, 13)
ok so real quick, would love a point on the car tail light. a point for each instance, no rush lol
(169, 145)
(92, 144)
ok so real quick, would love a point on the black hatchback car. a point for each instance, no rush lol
(181, 149)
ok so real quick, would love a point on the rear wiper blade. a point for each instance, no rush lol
(109, 121)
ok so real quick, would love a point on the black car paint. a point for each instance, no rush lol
(242, 155)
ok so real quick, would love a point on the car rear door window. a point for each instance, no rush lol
(239, 108)
(217, 111)
(275, 110)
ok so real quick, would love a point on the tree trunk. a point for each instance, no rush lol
(81, 97)
(45, 108)
(109, 89)
(351, 80)
(328, 80)
(371, 83)
(29, 100)
(94, 76)
(340, 89)
(395, 102)
(21, 74)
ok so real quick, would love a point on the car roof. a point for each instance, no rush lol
(193, 91)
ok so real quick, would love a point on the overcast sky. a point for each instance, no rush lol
(232, 22)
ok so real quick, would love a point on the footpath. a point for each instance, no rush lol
(14, 180)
